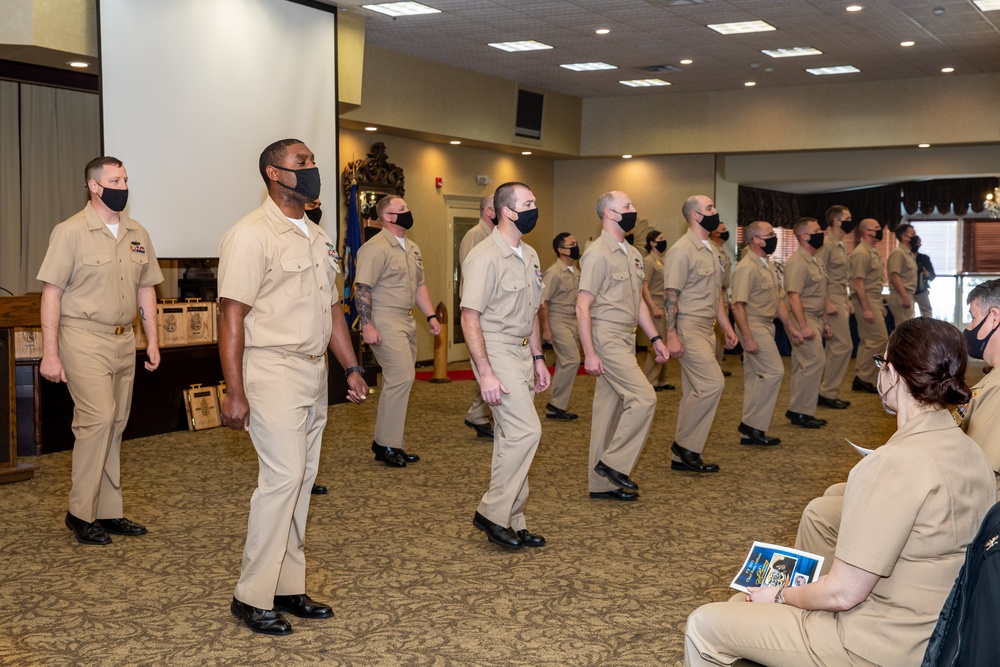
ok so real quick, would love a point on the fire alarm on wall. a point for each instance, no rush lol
(438, 182)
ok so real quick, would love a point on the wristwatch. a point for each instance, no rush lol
(354, 369)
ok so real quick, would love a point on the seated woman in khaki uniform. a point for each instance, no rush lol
(910, 509)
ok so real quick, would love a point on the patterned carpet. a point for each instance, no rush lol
(394, 551)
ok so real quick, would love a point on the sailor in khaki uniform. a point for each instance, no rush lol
(757, 300)
(834, 260)
(558, 321)
(279, 314)
(902, 270)
(693, 301)
(980, 417)
(388, 283)
(98, 272)
(477, 417)
(608, 309)
(867, 276)
(652, 294)
(500, 300)
(805, 283)
(719, 237)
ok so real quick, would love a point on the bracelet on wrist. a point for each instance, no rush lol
(354, 369)
(778, 597)
(538, 357)
(655, 338)
(432, 316)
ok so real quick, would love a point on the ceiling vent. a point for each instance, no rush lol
(659, 69)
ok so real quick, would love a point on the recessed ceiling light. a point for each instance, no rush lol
(947, 70)
(686, 61)
(588, 67)
(455, 142)
(529, 45)
(907, 43)
(371, 128)
(627, 156)
(987, 5)
(644, 83)
(602, 31)
(77, 63)
(402, 9)
(750, 84)
(741, 27)
(525, 152)
(923, 145)
(792, 53)
(854, 8)
(841, 69)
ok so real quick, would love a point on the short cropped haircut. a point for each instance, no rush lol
(755, 230)
(690, 204)
(557, 241)
(901, 230)
(986, 293)
(801, 224)
(383, 204)
(273, 154)
(835, 212)
(504, 195)
(95, 168)
(485, 203)
(603, 202)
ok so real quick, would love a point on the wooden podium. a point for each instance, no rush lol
(15, 311)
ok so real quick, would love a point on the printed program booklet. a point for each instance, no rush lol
(773, 565)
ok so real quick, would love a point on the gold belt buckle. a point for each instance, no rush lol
(313, 357)
(409, 312)
(524, 341)
(119, 330)
(634, 328)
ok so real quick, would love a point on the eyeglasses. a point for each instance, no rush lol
(879, 360)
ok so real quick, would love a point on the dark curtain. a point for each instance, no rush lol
(944, 193)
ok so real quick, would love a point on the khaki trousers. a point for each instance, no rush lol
(516, 430)
(478, 412)
(100, 370)
(838, 349)
(777, 635)
(808, 361)
(288, 408)
(899, 313)
(820, 525)
(655, 372)
(397, 355)
(762, 374)
(924, 301)
(566, 343)
(624, 404)
(701, 383)
(873, 338)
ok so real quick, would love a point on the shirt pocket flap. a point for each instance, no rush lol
(139, 258)
(619, 275)
(96, 260)
(706, 270)
(294, 265)
(397, 265)
(513, 285)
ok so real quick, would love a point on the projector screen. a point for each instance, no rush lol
(191, 93)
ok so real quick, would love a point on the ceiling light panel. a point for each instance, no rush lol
(793, 52)
(987, 5)
(741, 27)
(588, 67)
(644, 83)
(511, 47)
(395, 9)
(841, 69)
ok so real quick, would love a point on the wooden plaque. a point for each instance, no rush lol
(202, 406)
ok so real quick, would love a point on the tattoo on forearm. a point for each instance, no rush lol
(670, 297)
(363, 300)
(142, 314)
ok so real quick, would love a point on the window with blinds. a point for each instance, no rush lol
(939, 241)
(981, 246)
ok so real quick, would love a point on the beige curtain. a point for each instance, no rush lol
(60, 133)
(10, 187)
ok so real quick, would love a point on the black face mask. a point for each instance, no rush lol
(710, 222)
(847, 226)
(630, 239)
(115, 199)
(661, 247)
(977, 347)
(816, 240)
(526, 220)
(627, 223)
(306, 182)
(492, 219)
(724, 236)
(770, 245)
(878, 234)
(314, 215)
(915, 244)
(404, 220)
(574, 252)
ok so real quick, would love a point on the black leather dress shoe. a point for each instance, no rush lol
(690, 460)
(122, 526)
(302, 606)
(834, 403)
(389, 456)
(87, 532)
(482, 430)
(497, 534)
(530, 539)
(860, 385)
(552, 412)
(615, 494)
(804, 420)
(664, 387)
(726, 373)
(319, 490)
(754, 436)
(409, 458)
(263, 621)
(615, 477)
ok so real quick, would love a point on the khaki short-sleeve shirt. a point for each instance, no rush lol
(472, 238)
(696, 271)
(562, 282)
(504, 288)
(910, 510)
(804, 275)
(834, 259)
(652, 269)
(980, 417)
(99, 274)
(615, 279)
(903, 262)
(756, 284)
(287, 279)
(727, 266)
(866, 264)
(392, 272)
